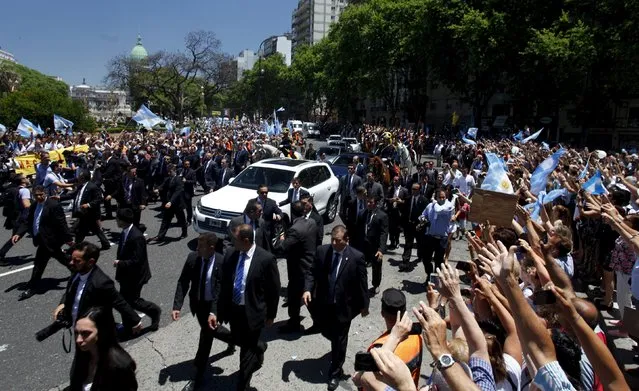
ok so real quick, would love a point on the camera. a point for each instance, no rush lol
(60, 323)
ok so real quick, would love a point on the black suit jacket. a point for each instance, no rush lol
(138, 193)
(420, 204)
(189, 283)
(261, 233)
(210, 172)
(351, 286)
(54, 231)
(262, 292)
(133, 268)
(268, 209)
(173, 189)
(299, 243)
(346, 190)
(92, 195)
(228, 173)
(390, 193)
(377, 233)
(99, 291)
(188, 175)
(289, 197)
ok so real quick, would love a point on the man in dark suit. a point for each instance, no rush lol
(48, 226)
(86, 210)
(173, 193)
(374, 189)
(188, 177)
(395, 196)
(132, 267)
(374, 230)
(95, 287)
(198, 281)
(241, 158)
(354, 215)
(311, 213)
(299, 245)
(414, 205)
(247, 297)
(337, 286)
(407, 179)
(131, 194)
(271, 213)
(225, 173)
(208, 171)
(295, 193)
(252, 216)
(347, 186)
(111, 174)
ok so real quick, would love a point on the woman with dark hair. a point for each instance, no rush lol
(100, 363)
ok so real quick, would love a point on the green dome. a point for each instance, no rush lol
(139, 52)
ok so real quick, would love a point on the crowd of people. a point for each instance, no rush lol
(515, 319)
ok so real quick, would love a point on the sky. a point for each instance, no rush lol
(75, 39)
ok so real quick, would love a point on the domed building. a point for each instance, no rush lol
(138, 52)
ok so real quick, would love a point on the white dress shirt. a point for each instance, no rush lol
(248, 257)
(36, 218)
(78, 295)
(78, 198)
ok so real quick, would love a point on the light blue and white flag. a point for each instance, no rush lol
(545, 146)
(468, 141)
(62, 124)
(472, 132)
(169, 127)
(277, 127)
(496, 177)
(147, 118)
(595, 185)
(3, 130)
(186, 131)
(532, 136)
(540, 175)
(280, 109)
(519, 136)
(26, 129)
(585, 170)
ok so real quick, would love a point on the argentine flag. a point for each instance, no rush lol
(3, 130)
(169, 127)
(62, 124)
(545, 146)
(540, 175)
(26, 129)
(519, 136)
(472, 132)
(532, 136)
(497, 177)
(585, 170)
(186, 131)
(468, 141)
(146, 118)
(594, 185)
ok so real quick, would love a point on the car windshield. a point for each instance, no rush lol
(329, 151)
(343, 160)
(278, 181)
(350, 140)
(334, 137)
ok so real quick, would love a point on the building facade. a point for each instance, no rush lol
(312, 19)
(103, 104)
(244, 62)
(279, 44)
(5, 55)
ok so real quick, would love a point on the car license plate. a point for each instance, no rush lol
(215, 223)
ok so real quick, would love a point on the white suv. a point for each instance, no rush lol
(214, 211)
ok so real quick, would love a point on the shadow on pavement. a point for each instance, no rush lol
(310, 370)
(184, 371)
(412, 287)
(18, 260)
(45, 285)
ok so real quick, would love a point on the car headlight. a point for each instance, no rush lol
(199, 205)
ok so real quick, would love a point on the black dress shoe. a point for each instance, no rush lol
(333, 384)
(290, 328)
(26, 294)
(314, 329)
(184, 235)
(190, 386)
(153, 239)
(4, 262)
(230, 350)
(105, 247)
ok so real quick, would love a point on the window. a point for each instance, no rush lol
(278, 181)
(324, 174)
(305, 177)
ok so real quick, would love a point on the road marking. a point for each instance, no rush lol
(3, 347)
(16, 271)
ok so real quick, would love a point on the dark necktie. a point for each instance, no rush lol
(332, 278)
(203, 278)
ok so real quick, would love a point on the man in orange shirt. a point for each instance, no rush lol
(408, 350)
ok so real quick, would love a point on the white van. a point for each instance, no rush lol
(294, 126)
(311, 130)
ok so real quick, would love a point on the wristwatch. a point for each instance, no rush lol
(444, 361)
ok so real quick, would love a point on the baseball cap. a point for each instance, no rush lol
(393, 300)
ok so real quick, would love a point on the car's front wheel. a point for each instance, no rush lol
(331, 209)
